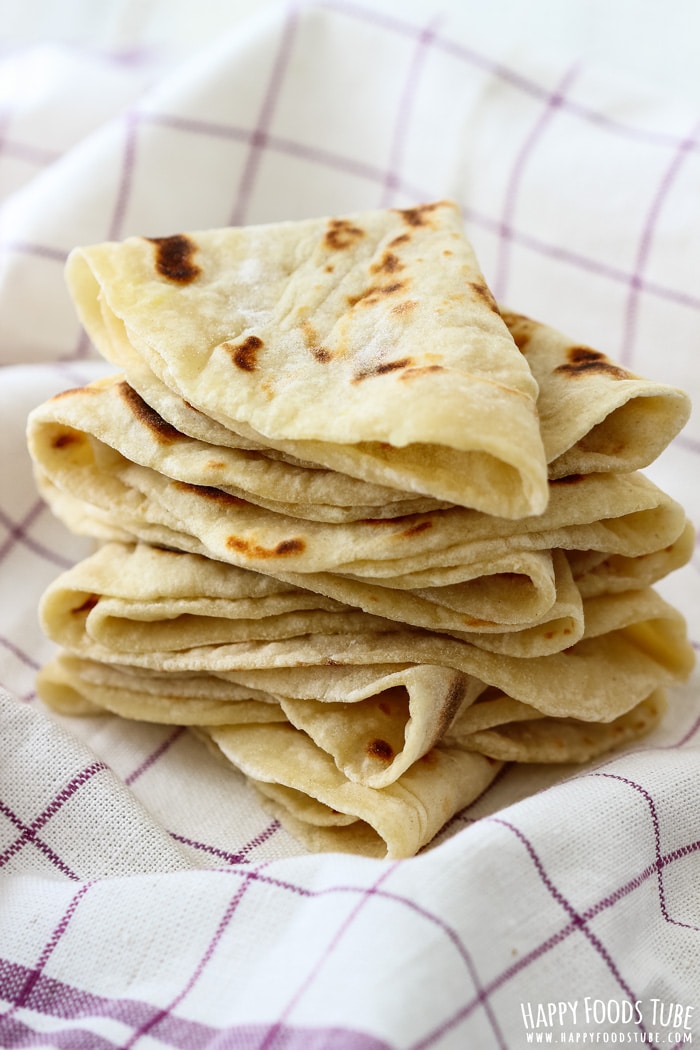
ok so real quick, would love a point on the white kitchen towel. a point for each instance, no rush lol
(145, 899)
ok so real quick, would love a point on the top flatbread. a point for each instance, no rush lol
(594, 414)
(369, 344)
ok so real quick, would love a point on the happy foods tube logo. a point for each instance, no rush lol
(590, 1022)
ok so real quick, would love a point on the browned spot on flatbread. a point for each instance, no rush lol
(89, 603)
(383, 368)
(74, 390)
(403, 238)
(381, 749)
(420, 370)
(214, 464)
(342, 234)
(415, 530)
(521, 328)
(451, 706)
(245, 355)
(483, 292)
(375, 293)
(389, 263)
(174, 258)
(295, 545)
(313, 344)
(584, 361)
(165, 433)
(420, 215)
(66, 438)
(225, 499)
(378, 521)
(404, 308)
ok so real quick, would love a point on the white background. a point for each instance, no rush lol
(651, 40)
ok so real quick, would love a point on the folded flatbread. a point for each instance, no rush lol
(368, 344)
(487, 575)
(375, 774)
(594, 414)
(634, 642)
(111, 412)
(511, 731)
(301, 785)
(375, 723)
(142, 598)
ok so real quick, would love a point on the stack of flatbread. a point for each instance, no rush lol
(370, 536)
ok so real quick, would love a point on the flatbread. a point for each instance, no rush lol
(507, 575)
(511, 731)
(615, 513)
(308, 793)
(594, 414)
(111, 412)
(634, 642)
(141, 598)
(268, 330)
(375, 727)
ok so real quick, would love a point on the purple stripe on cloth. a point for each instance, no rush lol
(164, 746)
(32, 154)
(392, 180)
(657, 844)
(362, 170)
(688, 443)
(689, 733)
(43, 251)
(17, 531)
(594, 266)
(126, 177)
(23, 657)
(64, 795)
(350, 166)
(652, 869)
(279, 144)
(61, 1000)
(577, 919)
(629, 331)
(192, 1036)
(231, 858)
(259, 136)
(83, 348)
(272, 1036)
(55, 998)
(18, 534)
(507, 975)
(507, 74)
(118, 56)
(553, 103)
(23, 698)
(162, 1015)
(19, 1034)
(24, 829)
(33, 975)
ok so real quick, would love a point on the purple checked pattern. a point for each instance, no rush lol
(49, 1004)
